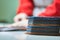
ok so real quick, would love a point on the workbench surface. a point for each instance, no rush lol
(21, 35)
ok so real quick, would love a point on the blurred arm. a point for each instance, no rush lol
(25, 6)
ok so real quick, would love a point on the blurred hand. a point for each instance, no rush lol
(23, 23)
(20, 20)
(20, 17)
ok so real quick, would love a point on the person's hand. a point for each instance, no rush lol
(20, 17)
(20, 20)
(23, 23)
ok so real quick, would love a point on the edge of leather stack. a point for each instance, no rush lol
(44, 26)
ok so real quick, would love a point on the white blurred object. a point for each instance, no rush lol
(20, 20)
(40, 6)
(42, 2)
(19, 17)
(37, 10)
(21, 24)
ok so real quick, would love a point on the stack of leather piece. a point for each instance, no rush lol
(44, 26)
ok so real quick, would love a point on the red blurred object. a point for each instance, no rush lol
(27, 7)
(52, 10)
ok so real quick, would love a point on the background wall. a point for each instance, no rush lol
(8, 10)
